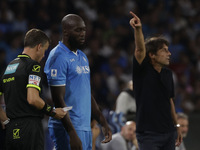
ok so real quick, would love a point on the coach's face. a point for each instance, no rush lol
(162, 56)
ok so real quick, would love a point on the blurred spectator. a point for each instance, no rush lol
(182, 119)
(6, 17)
(15, 46)
(124, 140)
(2, 61)
(126, 102)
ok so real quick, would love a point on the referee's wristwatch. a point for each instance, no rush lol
(6, 122)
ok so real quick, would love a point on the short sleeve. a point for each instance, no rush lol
(56, 69)
(35, 76)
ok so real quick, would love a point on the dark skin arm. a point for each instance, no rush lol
(98, 116)
(58, 93)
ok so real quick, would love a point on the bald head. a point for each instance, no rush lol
(128, 130)
(71, 20)
(74, 31)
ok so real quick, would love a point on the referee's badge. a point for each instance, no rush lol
(53, 72)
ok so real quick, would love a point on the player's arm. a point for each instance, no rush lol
(58, 94)
(140, 50)
(98, 116)
(34, 99)
(173, 113)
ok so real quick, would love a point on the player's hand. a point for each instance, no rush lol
(179, 137)
(135, 21)
(75, 142)
(60, 113)
(107, 134)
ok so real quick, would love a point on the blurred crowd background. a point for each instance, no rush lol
(110, 40)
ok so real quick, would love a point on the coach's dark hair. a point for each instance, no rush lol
(154, 44)
(34, 37)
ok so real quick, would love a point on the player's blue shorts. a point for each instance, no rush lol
(61, 138)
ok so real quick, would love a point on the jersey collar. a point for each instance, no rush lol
(63, 46)
(23, 56)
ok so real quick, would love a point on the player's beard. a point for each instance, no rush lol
(76, 44)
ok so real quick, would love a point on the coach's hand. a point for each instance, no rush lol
(75, 142)
(60, 113)
(135, 21)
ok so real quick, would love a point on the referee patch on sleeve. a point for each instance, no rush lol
(33, 79)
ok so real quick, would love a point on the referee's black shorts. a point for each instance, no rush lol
(25, 134)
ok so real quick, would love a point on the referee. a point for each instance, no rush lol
(21, 86)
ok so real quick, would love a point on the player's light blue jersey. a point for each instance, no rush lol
(65, 68)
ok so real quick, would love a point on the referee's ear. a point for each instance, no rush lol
(39, 47)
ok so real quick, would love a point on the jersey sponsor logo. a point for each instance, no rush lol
(8, 79)
(78, 70)
(82, 69)
(16, 134)
(36, 68)
(11, 68)
(33, 79)
(53, 72)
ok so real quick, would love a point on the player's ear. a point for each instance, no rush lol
(66, 33)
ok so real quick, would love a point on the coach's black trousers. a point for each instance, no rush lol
(156, 141)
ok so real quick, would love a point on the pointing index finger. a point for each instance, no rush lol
(134, 15)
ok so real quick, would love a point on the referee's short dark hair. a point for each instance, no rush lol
(35, 37)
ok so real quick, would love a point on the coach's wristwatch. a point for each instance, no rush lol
(177, 125)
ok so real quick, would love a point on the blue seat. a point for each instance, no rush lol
(113, 122)
(121, 119)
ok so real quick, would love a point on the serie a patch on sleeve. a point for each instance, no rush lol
(34, 79)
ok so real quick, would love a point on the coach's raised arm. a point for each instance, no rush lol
(154, 92)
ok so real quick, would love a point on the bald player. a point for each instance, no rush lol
(68, 74)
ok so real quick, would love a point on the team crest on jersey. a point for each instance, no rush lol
(53, 72)
(36, 68)
(33, 79)
(11, 68)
